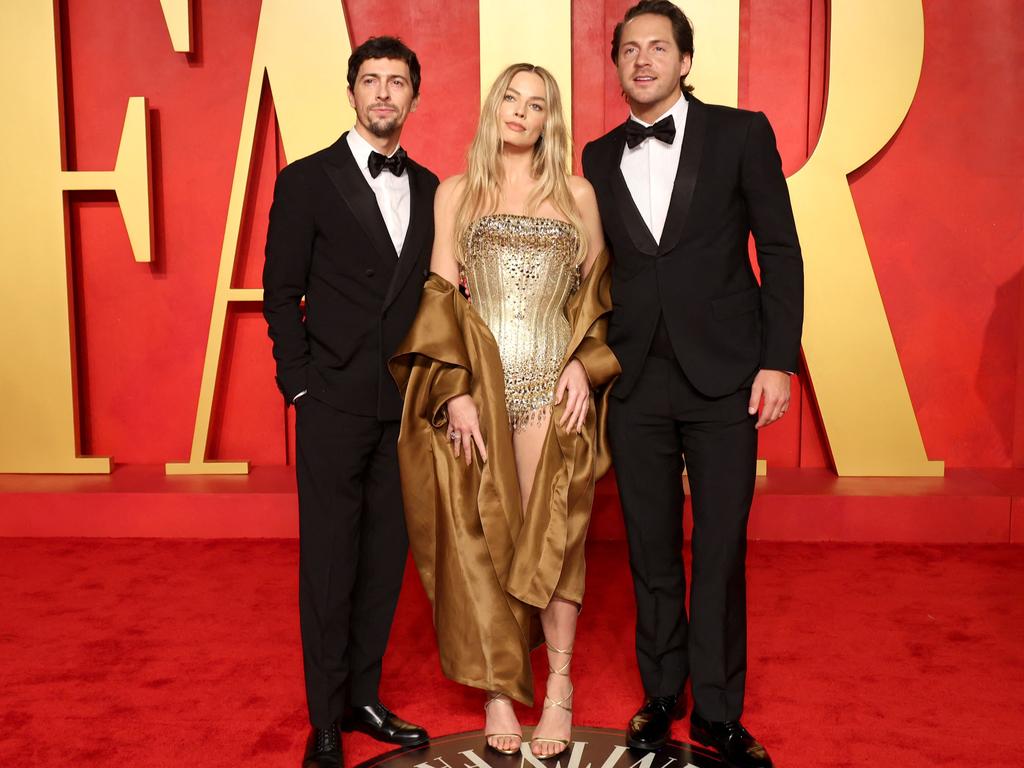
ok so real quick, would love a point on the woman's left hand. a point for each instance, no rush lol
(574, 385)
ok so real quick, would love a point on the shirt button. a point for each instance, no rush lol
(370, 273)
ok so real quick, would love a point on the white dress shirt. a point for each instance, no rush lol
(650, 170)
(392, 192)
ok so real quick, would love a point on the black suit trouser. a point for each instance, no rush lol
(352, 552)
(662, 420)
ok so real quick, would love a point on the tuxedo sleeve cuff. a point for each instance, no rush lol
(785, 363)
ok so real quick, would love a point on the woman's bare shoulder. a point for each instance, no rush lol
(583, 193)
(581, 189)
(450, 185)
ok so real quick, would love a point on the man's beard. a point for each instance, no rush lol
(384, 127)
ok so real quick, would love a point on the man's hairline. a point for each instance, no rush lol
(622, 28)
(360, 74)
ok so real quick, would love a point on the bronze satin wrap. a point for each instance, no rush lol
(486, 566)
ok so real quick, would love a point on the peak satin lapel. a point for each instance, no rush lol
(624, 202)
(419, 211)
(686, 175)
(345, 174)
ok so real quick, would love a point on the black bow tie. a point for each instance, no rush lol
(395, 163)
(663, 130)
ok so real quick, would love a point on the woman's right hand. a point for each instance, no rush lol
(464, 428)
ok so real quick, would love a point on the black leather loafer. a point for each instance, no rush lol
(378, 721)
(323, 748)
(650, 726)
(732, 741)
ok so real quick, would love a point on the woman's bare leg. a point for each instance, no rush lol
(558, 619)
(526, 443)
(559, 623)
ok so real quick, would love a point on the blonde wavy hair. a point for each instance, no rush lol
(481, 189)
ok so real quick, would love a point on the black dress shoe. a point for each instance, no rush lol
(732, 740)
(649, 727)
(323, 748)
(378, 721)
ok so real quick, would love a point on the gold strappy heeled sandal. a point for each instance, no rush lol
(491, 698)
(564, 703)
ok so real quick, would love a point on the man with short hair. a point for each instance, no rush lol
(681, 185)
(351, 229)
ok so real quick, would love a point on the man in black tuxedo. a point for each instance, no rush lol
(681, 186)
(351, 229)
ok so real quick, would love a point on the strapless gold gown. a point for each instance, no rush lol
(520, 272)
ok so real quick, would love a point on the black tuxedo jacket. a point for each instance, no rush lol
(327, 241)
(723, 326)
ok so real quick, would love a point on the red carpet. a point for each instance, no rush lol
(186, 653)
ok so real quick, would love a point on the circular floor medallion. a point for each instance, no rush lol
(591, 748)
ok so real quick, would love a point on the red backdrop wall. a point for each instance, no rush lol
(940, 207)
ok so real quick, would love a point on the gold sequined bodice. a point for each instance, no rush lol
(520, 271)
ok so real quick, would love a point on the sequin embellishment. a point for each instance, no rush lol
(520, 271)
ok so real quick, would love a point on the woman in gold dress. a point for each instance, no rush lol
(502, 432)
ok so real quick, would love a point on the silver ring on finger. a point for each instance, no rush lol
(454, 436)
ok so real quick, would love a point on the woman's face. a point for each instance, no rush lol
(523, 110)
